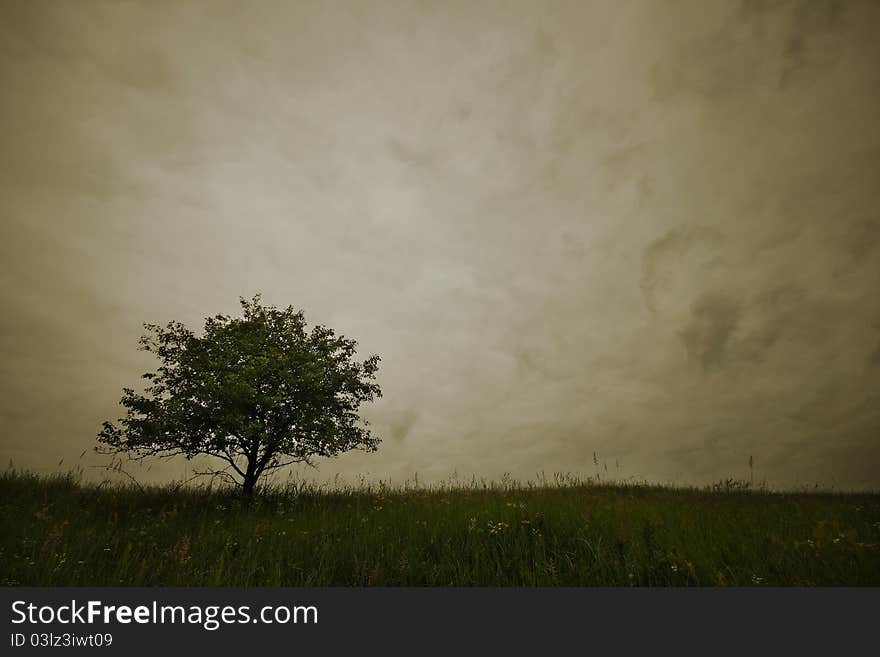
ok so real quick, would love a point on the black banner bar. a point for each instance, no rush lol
(136, 621)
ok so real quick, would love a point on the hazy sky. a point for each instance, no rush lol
(648, 230)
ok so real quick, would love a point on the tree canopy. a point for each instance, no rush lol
(259, 392)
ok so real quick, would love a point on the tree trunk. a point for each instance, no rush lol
(249, 482)
(251, 474)
(247, 486)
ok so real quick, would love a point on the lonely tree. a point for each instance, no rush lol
(258, 392)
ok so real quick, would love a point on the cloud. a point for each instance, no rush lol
(647, 231)
(714, 319)
(665, 256)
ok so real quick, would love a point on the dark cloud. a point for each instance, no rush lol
(663, 258)
(875, 356)
(401, 424)
(714, 318)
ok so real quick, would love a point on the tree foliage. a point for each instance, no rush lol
(258, 391)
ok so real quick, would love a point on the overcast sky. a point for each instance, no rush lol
(646, 230)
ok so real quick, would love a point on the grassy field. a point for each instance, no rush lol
(57, 531)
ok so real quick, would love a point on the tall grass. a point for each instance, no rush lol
(60, 531)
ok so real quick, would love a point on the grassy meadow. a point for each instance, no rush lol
(59, 531)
